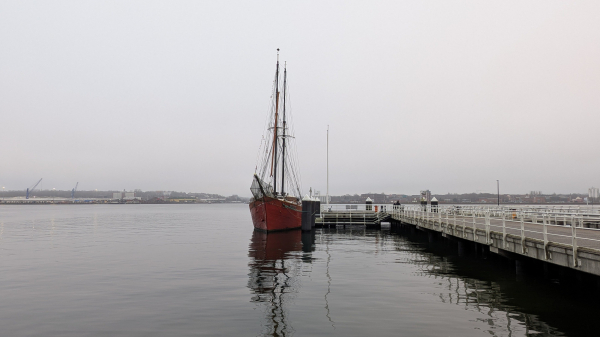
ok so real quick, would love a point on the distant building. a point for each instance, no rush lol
(378, 198)
(125, 196)
(189, 200)
(426, 195)
(593, 192)
(322, 198)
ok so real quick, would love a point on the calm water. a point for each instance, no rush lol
(195, 270)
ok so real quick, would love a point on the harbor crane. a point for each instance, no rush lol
(30, 190)
(74, 190)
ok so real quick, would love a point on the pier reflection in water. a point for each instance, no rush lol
(518, 299)
(479, 294)
(385, 283)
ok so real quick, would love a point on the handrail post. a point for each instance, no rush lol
(522, 233)
(447, 222)
(464, 223)
(487, 227)
(504, 229)
(454, 222)
(574, 240)
(545, 229)
(474, 226)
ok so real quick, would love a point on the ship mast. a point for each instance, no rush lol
(283, 138)
(274, 158)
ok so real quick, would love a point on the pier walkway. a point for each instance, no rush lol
(566, 237)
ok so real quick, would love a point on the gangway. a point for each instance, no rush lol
(342, 214)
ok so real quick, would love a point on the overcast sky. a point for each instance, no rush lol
(442, 95)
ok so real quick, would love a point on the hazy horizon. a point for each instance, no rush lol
(248, 195)
(445, 96)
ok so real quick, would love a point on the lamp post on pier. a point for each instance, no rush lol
(498, 186)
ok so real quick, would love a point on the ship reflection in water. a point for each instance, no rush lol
(275, 267)
(466, 294)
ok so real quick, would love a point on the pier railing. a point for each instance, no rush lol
(540, 209)
(564, 235)
(551, 227)
(356, 207)
(562, 216)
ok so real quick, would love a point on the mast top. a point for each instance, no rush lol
(277, 55)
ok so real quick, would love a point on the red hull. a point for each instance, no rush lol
(268, 247)
(269, 214)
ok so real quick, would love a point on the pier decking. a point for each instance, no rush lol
(569, 237)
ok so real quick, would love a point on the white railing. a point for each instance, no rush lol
(579, 209)
(356, 207)
(550, 225)
(355, 213)
(554, 215)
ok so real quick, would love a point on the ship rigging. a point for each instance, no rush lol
(276, 202)
(276, 169)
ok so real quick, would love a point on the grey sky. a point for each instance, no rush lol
(445, 95)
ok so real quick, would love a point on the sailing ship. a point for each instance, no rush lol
(276, 198)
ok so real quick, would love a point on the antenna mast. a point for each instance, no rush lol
(327, 165)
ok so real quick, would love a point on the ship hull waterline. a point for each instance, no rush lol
(270, 215)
